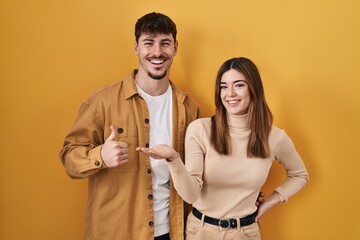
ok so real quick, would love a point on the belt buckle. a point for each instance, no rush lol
(224, 223)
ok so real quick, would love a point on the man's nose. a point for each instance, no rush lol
(157, 50)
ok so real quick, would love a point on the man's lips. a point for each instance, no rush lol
(157, 61)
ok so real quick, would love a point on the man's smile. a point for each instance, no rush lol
(157, 61)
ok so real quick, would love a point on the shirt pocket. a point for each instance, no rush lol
(128, 134)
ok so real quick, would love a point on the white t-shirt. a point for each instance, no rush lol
(160, 110)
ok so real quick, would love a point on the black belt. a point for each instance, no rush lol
(226, 223)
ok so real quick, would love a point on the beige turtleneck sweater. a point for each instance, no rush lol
(228, 186)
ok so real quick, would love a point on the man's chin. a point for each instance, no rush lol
(158, 76)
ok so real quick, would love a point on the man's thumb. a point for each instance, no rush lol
(112, 134)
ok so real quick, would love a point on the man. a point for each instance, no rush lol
(131, 196)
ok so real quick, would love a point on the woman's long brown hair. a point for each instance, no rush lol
(260, 118)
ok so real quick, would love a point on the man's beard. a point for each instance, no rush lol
(157, 77)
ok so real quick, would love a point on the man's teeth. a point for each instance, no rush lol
(157, 61)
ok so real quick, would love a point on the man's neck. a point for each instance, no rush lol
(152, 86)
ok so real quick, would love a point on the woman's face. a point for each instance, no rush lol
(234, 92)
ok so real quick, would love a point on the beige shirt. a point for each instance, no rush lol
(227, 186)
(120, 201)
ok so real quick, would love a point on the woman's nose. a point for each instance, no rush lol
(231, 92)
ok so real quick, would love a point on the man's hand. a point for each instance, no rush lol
(114, 153)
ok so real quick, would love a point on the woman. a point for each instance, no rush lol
(228, 158)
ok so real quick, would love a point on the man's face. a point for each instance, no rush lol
(155, 54)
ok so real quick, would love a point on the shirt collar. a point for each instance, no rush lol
(129, 85)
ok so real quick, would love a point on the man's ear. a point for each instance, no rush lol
(136, 48)
(176, 45)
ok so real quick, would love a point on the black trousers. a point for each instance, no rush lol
(163, 237)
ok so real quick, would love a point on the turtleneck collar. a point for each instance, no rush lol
(238, 121)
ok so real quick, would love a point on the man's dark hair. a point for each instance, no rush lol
(155, 23)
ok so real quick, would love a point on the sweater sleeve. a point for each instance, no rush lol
(297, 175)
(188, 178)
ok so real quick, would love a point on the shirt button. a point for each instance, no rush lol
(120, 130)
(147, 145)
(150, 196)
(151, 223)
(97, 163)
(146, 120)
(149, 170)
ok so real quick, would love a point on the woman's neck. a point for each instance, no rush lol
(238, 121)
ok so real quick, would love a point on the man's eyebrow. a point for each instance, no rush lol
(148, 40)
(166, 40)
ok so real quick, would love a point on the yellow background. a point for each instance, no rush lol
(54, 53)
